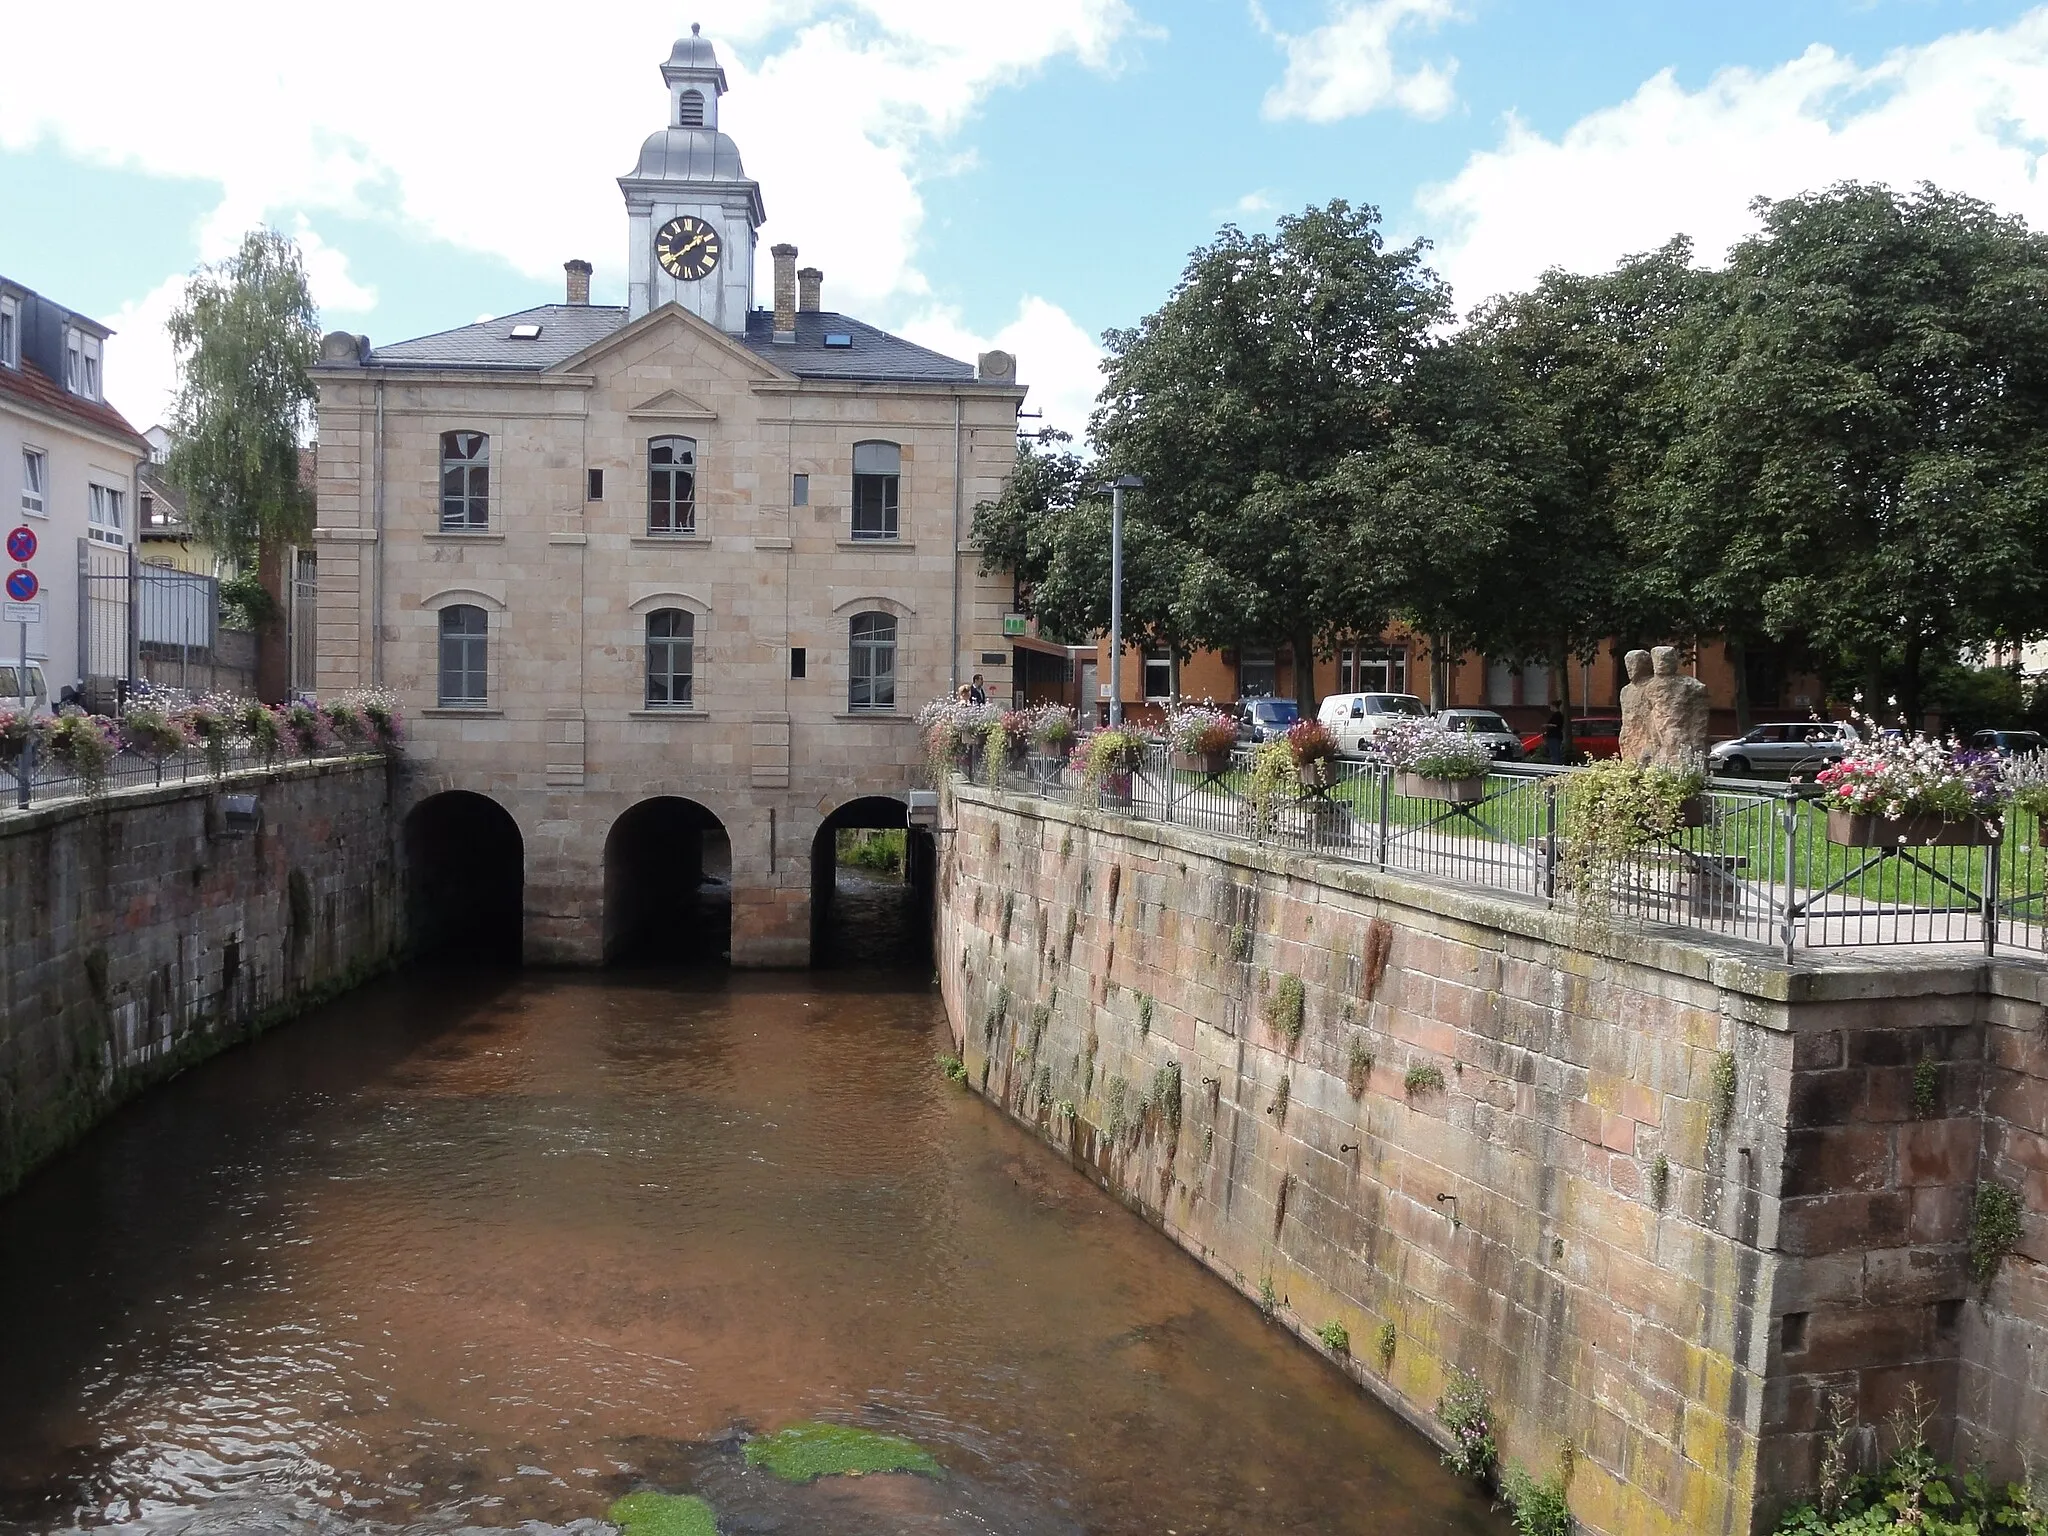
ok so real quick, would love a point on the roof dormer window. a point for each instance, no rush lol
(10, 331)
(82, 364)
(690, 109)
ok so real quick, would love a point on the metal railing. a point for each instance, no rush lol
(39, 779)
(1754, 861)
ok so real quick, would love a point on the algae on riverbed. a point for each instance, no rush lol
(663, 1514)
(811, 1450)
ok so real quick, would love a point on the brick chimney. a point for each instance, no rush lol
(785, 292)
(579, 280)
(810, 291)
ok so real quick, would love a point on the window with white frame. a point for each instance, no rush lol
(671, 658)
(465, 482)
(672, 485)
(1371, 669)
(92, 368)
(877, 473)
(871, 663)
(10, 331)
(35, 482)
(82, 363)
(103, 515)
(465, 669)
(1158, 675)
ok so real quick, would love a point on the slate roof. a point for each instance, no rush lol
(29, 385)
(566, 329)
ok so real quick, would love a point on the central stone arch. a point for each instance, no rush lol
(668, 885)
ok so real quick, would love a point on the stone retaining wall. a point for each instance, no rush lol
(136, 936)
(1660, 1198)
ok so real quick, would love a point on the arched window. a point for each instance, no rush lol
(465, 481)
(671, 658)
(877, 468)
(871, 662)
(672, 485)
(465, 642)
(690, 110)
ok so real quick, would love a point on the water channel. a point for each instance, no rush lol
(467, 1250)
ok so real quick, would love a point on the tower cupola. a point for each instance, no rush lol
(695, 82)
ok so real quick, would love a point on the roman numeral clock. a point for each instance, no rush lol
(687, 248)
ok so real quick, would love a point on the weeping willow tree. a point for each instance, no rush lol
(246, 337)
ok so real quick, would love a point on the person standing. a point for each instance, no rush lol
(1553, 737)
(977, 691)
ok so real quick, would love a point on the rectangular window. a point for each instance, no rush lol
(671, 658)
(672, 485)
(74, 363)
(91, 345)
(465, 482)
(877, 472)
(10, 333)
(1500, 683)
(871, 663)
(1258, 674)
(799, 490)
(595, 490)
(35, 483)
(796, 661)
(465, 638)
(1536, 683)
(103, 512)
(1158, 675)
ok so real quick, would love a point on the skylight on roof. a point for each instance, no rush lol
(526, 331)
(838, 339)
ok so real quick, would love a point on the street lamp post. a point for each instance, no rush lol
(1117, 487)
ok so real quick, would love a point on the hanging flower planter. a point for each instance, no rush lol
(1468, 789)
(1694, 811)
(1209, 764)
(1853, 829)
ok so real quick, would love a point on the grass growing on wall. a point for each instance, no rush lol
(1286, 1009)
(1424, 1077)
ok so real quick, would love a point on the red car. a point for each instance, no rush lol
(1594, 736)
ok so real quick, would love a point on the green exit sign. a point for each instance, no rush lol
(1013, 623)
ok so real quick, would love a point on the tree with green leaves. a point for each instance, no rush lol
(246, 337)
(1276, 359)
(1863, 460)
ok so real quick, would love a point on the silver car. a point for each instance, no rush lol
(1486, 728)
(1785, 746)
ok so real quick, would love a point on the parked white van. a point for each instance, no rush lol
(1355, 719)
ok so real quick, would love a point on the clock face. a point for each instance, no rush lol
(687, 248)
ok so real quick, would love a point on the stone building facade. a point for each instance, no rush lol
(687, 550)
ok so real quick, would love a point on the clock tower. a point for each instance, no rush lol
(692, 210)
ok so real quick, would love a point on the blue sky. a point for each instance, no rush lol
(970, 173)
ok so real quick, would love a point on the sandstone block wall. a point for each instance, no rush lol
(135, 937)
(1635, 1186)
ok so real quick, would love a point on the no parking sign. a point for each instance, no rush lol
(21, 545)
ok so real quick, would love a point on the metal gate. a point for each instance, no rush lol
(130, 613)
(301, 630)
(107, 655)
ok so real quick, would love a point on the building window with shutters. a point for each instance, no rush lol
(671, 658)
(871, 663)
(877, 474)
(465, 644)
(465, 482)
(672, 485)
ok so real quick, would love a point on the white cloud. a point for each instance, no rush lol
(1346, 67)
(1060, 362)
(500, 128)
(1968, 112)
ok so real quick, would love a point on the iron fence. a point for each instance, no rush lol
(1758, 862)
(36, 779)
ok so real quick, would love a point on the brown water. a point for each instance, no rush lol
(465, 1251)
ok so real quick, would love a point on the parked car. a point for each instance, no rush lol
(1356, 718)
(1594, 736)
(2006, 743)
(1487, 728)
(38, 691)
(1265, 719)
(1783, 746)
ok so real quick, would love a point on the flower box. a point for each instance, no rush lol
(1465, 791)
(1317, 773)
(1852, 829)
(1209, 764)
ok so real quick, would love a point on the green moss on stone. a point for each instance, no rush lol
(663, 1514)
(810, 1450)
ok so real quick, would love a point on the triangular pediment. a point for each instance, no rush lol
(673, 316)
(673, 405)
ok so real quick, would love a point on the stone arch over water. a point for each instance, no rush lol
(667, 885)
(865, 918)
(465, 878)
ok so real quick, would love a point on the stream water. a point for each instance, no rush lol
(464, 1251)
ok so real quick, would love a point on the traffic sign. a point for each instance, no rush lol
(22, 613)
(22, 585)
(21, 545)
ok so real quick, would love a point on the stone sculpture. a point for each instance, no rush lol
(1664, 715)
